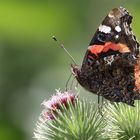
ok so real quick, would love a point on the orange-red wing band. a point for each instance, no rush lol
(97, 49)
(137, 76)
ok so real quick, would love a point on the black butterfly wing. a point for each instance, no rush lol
(109, 65)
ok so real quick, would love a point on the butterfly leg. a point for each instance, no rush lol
(67, 83)
(100, 105)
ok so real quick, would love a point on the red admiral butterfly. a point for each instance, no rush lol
(111, 66)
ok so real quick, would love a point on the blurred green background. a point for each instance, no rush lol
(32, 66)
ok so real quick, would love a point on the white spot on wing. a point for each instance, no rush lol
(105, 29)
(118, 28)
(109, 59)
(117, 36)
(110, 15)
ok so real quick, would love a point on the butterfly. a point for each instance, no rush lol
(111, 66)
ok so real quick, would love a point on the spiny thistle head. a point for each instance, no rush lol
(123, 121)
(55, 103)
(66, 117)
(57, 100)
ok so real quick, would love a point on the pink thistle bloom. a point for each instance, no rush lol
(47, 115)
(55, 102)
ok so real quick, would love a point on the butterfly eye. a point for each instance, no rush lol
(90, 60)
(101, 37)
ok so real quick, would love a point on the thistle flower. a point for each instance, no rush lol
(65, 117)
(57, 100)
(123, 121)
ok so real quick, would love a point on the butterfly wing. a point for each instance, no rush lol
(110, 67)
(114, 35)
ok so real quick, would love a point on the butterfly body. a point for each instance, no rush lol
(111, 64)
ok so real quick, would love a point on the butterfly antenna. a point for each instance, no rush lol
(62, 46)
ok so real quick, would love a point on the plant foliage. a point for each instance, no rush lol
(123, 121)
